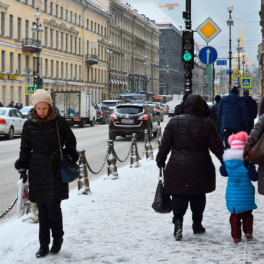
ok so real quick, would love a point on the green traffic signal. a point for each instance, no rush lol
(35, 86)
(187, 56)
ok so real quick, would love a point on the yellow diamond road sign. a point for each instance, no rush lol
(208, 30)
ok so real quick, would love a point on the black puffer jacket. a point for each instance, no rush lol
(213, 114)
(252, 107)
(41, 156)
(189, 137)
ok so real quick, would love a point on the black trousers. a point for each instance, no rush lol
(180, 206)
(250, 127)
(227, 133)
(50, 218)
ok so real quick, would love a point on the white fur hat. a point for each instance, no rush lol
(41, 96)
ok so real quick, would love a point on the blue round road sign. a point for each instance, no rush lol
(208, 55)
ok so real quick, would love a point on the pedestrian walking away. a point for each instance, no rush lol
(1, 104)
(190, 172)
(17, 106)
(177, 110)
(40, 156)
(252, 109)
(213, 116)
(21, 106)
(233, 115)
(240, 193)
(255, 134)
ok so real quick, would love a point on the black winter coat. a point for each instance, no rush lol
(213, 114)
(252, 108)
(189, 137)
(40, 154)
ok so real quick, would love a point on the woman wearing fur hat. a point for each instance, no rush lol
(40, 155)
(240, 198)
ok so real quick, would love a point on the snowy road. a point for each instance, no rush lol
(116, 224)
(92, 139)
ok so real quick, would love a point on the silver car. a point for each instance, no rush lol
(25, 110)
(11, 122)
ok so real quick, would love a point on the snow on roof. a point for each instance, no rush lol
(153, 12)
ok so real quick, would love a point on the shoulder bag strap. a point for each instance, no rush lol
(59, 139)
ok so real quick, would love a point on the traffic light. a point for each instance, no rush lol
(188, 49)
(35, 82)
(40, 82)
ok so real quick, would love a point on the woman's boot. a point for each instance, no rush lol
(177, 229)
(197, 227)
(56, 247)
(42, 252)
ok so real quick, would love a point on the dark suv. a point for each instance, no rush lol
(133, 118)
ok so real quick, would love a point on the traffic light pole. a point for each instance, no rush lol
(188, 49)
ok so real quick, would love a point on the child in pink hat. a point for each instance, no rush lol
(240, 193)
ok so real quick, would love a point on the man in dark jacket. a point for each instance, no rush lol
(252, 109)
(190, 172)
(178, 107)
(233, 115)
(213, 116)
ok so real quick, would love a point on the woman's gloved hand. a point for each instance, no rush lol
(66, 161)
(23, 175)
(161, 164)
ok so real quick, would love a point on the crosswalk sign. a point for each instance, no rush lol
(246, 82)
(30, 90)
(237, 74)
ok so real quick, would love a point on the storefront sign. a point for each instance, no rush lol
(47, 81)
(12, 77)
(75, 83)
(62, 83)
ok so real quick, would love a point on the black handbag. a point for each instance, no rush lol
(162, 200)
(72, 171)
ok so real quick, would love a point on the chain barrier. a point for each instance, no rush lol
(130, 148)
(96, 172)
(9, 208)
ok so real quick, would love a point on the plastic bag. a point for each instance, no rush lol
(22, 198)
(162, 200)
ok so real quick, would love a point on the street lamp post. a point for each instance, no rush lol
(238, 56)
(110, 53)
(167, 82)
(37, 28)
(230, 23)
(145, 84)
(243, 62)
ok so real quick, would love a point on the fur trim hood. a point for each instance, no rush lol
(230, 154)
(32, 118)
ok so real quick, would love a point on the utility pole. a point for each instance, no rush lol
(188, 49)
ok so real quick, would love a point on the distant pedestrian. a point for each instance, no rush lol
(40, 155)
(21, 106)
(11, 104)
(232, 113)
(240, 193)
(190, 172)
(1, 104)
(213, 116)
(177, 110)
(252, 109)
(17, 106)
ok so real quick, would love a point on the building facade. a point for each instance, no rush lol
(74, 47)
(171, 70)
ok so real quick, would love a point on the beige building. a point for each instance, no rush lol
(134, 50)
(74, 47)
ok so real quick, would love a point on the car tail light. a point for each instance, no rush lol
(155, 111)
(77, 119)
(145, 117)
(168, 107)
(112, 117)
(102, 113)
(2, 121)
(165, 109)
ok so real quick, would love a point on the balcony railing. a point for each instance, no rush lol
(91, 59)
(31, 45)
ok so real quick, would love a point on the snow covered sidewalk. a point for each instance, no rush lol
(116, 224)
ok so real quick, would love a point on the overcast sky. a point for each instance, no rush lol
(217, 10)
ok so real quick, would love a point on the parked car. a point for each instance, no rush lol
(103, 114)
(133, 118)
(156, 109)
(166, 108)
(112, 103)
(25, 110)
(11, 122)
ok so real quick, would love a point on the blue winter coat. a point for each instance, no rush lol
(240, 193)
(232, 113)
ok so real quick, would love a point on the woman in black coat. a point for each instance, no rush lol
(190, 172)
(40, 155)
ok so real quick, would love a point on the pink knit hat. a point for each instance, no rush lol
(238, 141)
